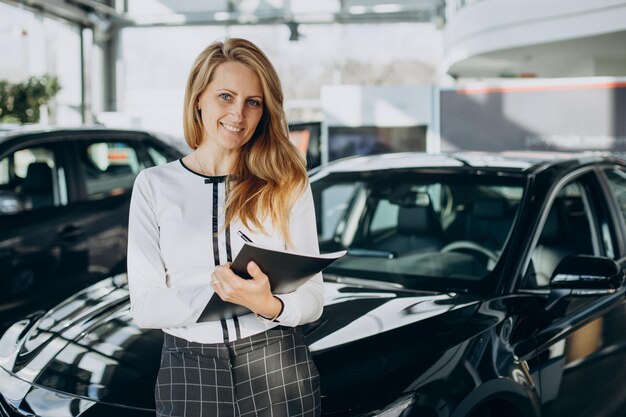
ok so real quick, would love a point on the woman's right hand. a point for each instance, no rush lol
(254, 294)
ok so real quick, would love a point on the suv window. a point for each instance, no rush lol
(410, 226)
(333, 202)
(109, 168)
(31, 179)
(617, 181)
(567, 231)
(385, 216)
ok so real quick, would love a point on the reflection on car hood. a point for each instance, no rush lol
(90, 346)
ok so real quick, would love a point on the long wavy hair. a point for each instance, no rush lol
(270, 173)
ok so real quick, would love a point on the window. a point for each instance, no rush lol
(30, 179)
(157, 157)
(387, 213)
(567, 231)
(617, 182)
(334, 202)
(109, 168)
(385, 216)
(406, 226)
(371, 140)
(4, 171)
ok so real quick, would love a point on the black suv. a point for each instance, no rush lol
(475, 285)
(64, 198)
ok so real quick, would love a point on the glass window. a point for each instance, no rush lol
(566, 231)
(157, 157)
(370, 140)
(404, 227)
(385, 216)
(4, 171)
(617, 183)
(334, 202)
(109, 168)
(30, 179)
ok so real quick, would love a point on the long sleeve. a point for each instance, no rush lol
(306, 304)
(153, 303)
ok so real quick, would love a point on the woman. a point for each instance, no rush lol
(185, 217)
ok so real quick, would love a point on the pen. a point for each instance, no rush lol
(244, 237)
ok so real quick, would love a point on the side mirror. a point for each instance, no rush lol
(582, 275)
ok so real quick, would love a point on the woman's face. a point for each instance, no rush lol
(231, 106)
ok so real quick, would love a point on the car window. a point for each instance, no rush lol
(156, 156)
(406, 227)
(333, 202)
(567, 231)
(108, 168)
(31, 178)
(617, 182)
(385, 216)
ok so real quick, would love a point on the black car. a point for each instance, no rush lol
(475, 285)
(64, 197)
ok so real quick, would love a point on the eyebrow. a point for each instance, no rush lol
(235, 94)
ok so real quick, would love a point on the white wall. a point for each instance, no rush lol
(494, 25)
(353, 105)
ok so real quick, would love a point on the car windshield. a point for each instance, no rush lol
(416, 229)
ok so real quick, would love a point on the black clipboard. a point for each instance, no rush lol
(287, 271)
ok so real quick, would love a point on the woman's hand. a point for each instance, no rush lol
(254, 294)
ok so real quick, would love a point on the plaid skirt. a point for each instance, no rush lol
(267, 374)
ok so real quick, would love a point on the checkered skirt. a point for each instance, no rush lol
(267, 374)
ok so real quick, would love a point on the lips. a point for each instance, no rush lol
(232, 128)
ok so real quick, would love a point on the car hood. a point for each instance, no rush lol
(89, 346)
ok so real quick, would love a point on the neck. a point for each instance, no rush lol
(216, 162)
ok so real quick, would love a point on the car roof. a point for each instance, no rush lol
(511, 161)
(9, 132)
(12, 131)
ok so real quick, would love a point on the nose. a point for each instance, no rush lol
(237, 110)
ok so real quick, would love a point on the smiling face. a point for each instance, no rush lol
(231, 107)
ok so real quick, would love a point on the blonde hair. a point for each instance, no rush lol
(270, 174)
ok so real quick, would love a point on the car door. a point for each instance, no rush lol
(580, 359)
(107, 164)
(39, 245)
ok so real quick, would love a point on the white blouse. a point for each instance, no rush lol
(176, 239)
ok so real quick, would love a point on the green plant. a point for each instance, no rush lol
(19, 103)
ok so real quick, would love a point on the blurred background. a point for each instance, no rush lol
(360, 76)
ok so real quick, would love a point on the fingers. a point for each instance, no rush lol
(232, 288)
(226, 283)
(217, 285)
(224, 275)
(255, 271)
(214, 280)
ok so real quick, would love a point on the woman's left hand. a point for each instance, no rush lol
(254, 294)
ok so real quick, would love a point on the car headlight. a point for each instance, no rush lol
(396, 408)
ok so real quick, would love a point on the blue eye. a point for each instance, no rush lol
(254, 103)
(224, 96)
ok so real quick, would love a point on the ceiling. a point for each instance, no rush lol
(224, 12)
(597, 55)
(602, 55)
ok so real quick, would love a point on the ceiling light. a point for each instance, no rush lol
(168, 19)
(387, 8)
(357, 9)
